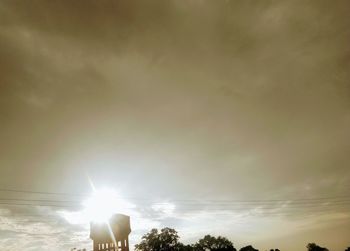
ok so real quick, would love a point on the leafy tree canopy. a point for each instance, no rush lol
(211, 243)
(165, 240)
(314, 247)
(248, 248)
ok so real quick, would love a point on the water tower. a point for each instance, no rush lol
(113, 236)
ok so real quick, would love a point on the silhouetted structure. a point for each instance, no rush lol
(112, 237)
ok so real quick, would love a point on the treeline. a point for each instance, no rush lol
(167, 239)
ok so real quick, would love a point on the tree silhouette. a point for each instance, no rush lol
(248, 248)
(183, 247)
(314, 247)
(165, 240)
(211, 243)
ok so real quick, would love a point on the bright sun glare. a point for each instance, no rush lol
(101, 205)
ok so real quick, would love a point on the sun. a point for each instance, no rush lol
(99, 207)
(102, 204)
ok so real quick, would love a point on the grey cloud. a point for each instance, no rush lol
(265, 83)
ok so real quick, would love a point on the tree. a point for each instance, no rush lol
(211, 243)
(165, 240)
(248, 248)
(183, 247)
(314, 247)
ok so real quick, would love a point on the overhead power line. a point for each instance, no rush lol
(43, 205)
(39, 192)
(205, 205)
(185, 208)
(290, 200)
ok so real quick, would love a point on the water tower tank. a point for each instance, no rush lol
(111, 236)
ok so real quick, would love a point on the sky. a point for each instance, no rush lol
(211, 117)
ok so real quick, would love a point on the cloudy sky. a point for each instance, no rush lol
(223, 117)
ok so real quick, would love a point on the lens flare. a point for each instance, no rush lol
(103, 203)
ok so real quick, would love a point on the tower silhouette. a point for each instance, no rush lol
(111, 236)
